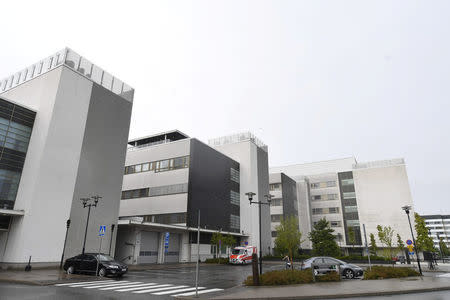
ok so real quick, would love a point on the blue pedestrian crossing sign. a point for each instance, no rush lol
(102, 230)
(408, 242)
(166, 242)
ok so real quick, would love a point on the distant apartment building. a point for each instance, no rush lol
(64, 126)
(170, 177)
(284, 201)
(439, 227)
(349, 194)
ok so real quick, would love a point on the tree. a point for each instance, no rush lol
(400, 244)
(443, 247)
(289, 237)
(373, 244)
(351, 236)
(228, 241)
(217, 239)
(323, 240)
(424, 242)
(385, 235)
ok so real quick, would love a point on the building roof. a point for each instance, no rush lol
(315, 168)
(429, 217)
(159, 138)
(77, 63)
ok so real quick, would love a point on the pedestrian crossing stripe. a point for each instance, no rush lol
(138, 287)
(444, 275)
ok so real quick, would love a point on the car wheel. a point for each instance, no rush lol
(349, 274)
(119, 275)
(102, 272)
(70, 270)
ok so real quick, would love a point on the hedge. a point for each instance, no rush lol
(222, 260)
(284, 277)
(382, 272)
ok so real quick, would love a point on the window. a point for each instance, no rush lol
(145, 167)
(274, 234)
(179, 163)
(235, 198)
(162, 166)
(333, 210)
(331, 183)
(235, 222)
(347, 181)
(139, 193)
(275, 187)
(168, 189)
(176, 218)
(349, 195)
(350, 209)
(315, 185)
(276, 202)
(156, 166)
(352, 223)
(316, 197)
(138, 168)
(235, 175)
(317, 211)
(276, 218)
(335, 223)
(332, 196)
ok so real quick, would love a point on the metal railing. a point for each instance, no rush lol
(77, 63)
(236, 138)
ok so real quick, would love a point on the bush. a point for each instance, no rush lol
(362, 258)
(382, 272)
(284, 277)
(222, 260)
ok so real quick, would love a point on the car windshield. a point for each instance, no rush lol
(237, 251)
(103, 257)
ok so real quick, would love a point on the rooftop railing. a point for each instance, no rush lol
(77, 63)
(379, 163)
(236, 138)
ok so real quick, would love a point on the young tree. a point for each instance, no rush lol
(217, 239)
(443, 247)
(373, 244)
(424, 242)
(400, 244)
(385, 235)
(351, 236)
(289, 237)
(323, 240)
(228, 241)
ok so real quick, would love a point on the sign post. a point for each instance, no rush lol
(198, 255)
(101, 234)
(166, 242)
(367, 247)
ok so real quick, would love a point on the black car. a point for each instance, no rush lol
(91, 262)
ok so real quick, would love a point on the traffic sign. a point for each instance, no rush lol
(408, 242)
(410, 249)
(102, 230)
(166, 242)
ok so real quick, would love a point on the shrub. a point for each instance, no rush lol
(362, 258)
(382, 272)
(284, 277)
(222, 260)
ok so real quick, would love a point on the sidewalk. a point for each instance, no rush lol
(343, 289)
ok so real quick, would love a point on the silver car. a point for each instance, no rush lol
(324, 263)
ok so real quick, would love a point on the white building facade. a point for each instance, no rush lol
(76, 148)
(349, 194)
(439, 227)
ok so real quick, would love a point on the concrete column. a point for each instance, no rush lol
(137, 246)
(185, 253)
(161, 248)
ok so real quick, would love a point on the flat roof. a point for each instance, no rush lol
(172, 135)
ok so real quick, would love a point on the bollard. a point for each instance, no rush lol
(255, 269)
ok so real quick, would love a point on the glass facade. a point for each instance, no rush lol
(348, 199)
(16, 124)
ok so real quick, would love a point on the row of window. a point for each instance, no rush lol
(351, 209)
(235, 222)
(326, 210)
(276, 202)
(324, 197)
(235, 198)
(235, 175)
(333, 223)
(275, 187)
(177, 218)
(321, 185)
(347, 181)
(276, 218)
(349, 195)
(14, 135)
(159, 166)
(155, 191)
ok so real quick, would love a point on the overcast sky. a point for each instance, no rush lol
(315, 80)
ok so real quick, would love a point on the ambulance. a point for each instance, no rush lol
(242, 255)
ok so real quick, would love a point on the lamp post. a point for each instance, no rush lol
(86, 203)
(65, 240)
(440, 249)
(407, 208)
(259, 203)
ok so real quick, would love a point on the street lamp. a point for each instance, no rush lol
(250, 198)
(65, 240)
(407, 208)
(86, 203)
(440, 249)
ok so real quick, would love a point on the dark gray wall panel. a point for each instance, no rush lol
(289, 192)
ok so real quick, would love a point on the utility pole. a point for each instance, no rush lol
(198, 255)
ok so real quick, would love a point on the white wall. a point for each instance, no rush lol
(381, 193)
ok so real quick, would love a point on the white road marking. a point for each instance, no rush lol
(161, 289)
(444, 275)
(137, 287)
(130, 284)
(85, 282)
(106, 285)
(200, 292)
(177, 291)
(151, 287)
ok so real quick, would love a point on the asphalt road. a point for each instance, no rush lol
(214, 278)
